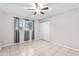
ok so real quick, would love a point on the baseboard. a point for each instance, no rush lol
(62, 45)
(5, 45)
(54, 42)
(66, 46)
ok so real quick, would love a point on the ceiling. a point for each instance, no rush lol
(20, 9)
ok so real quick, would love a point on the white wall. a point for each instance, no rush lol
(6, 29)
(44, 30)
(36, 27)
(65, 29)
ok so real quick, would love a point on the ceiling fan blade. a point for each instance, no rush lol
(30, 9)
(42, 13)
(36, 4)
(35, 13)
(46, 8)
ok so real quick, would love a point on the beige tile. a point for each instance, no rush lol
(37, 48)
(72, 53)
(4, 51)
(61, 51)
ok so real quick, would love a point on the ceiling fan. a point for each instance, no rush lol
(39, 9)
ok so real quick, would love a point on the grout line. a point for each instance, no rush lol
(59, 44)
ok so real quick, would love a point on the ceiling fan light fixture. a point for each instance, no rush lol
(38, 10)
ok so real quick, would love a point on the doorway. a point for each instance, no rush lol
(23, 29)
(44, 30)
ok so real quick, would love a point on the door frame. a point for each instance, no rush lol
(33, 32)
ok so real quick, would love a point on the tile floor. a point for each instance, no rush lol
(37, 48)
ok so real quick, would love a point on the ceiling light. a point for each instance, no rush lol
(38, 10)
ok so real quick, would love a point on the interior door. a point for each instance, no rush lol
(44, 30)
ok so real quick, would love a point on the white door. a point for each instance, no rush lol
(44, 31)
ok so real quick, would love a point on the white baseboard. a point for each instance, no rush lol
(62, 45)
(9, 44)
(66, 46)
(47, 41)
